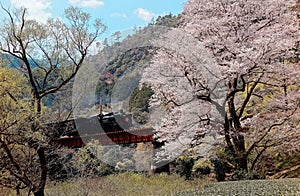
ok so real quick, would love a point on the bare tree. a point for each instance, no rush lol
(49, 56)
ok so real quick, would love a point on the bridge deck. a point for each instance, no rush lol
(109, 138)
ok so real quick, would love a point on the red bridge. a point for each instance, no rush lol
(108, 138)
(68, 136)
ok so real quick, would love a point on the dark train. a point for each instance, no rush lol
(102, 123)
(115, 122)
(108, 129)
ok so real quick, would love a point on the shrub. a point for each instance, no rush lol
(85, 162)
(220, 168)
(244, 175)
(125, 165)
(202, 167)
(184, 166)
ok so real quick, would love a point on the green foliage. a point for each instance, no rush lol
(18, 137)
(14, 100)
(184, 165)
(220, 168)
(202, 167)
(222, 163)
(139, 99)
(244, 175)
(139, 104)
(168, 20)
(127, 61)
(86, 163)
(134, 51)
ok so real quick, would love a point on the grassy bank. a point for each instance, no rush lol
(125, 184)
(137, 184)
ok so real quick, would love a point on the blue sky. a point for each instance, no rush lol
(118, 15)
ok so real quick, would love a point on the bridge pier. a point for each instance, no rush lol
(161, 167)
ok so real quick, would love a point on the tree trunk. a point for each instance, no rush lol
(162, 167)
(234, 138)
(38, 106)
(242, 163)
(43, 167)
(39, 193)
(39, 188)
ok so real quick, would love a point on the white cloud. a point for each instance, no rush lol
(144, 14)
(122, 15)
(87, 3)
(37, 9)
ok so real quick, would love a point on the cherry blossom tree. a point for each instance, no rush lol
(227, 71)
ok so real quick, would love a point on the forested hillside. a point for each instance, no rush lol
(133, 51)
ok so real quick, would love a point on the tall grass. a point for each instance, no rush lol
(125, 184)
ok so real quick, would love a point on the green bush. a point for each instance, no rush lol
(184, 165)
(202, 167)
(85, 162)
(244, 175)
(139, 104)
(220, 169)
